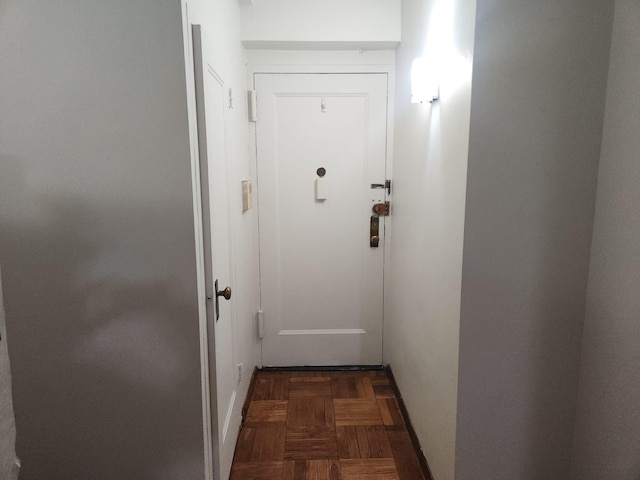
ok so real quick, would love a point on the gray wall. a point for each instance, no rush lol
(96, 240)
(536, 119)
(607, 439)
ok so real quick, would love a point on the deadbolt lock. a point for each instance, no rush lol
(382, 209)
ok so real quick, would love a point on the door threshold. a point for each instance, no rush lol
(333, 368)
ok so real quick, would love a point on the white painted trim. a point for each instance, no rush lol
(227, 419)
(325, 331)
(349, 61)
(316, 45)
(198, 233)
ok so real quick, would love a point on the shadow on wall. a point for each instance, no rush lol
(103, 356)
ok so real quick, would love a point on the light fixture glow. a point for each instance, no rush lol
(429, 72)
(424, 84)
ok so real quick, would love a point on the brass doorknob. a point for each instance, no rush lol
(375, 239)
(226, 293)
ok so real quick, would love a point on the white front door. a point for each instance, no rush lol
(321, 141)
(211, 102)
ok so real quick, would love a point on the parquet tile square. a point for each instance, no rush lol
(390, 411)
(310, 387)
(368, 441)
(271, 388)
(261, 442)
(310, 412)
(324, 425)
(352, 387)
(370, 469)
(311, 431)
(356, 411)
(257, 471)
(382, 390)
(409, 468)
(404, 453)
(312, 470)
(310, 443)
(267, 411)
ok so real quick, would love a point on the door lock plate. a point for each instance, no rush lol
(382, 209)
(374, 232)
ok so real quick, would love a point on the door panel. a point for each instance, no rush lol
(321, 281)
(211, 103)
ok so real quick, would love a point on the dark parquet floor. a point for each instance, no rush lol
(324, 426)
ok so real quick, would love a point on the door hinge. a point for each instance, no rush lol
(260, 321)
(253, 106)
(382, 209)
(230, 98)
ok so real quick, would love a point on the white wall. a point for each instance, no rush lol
(8, 467)
(536, 119)
(607, 435)
(221, 22)
(422, 303)
(325, 24)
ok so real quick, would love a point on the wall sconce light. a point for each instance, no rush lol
(424, 82)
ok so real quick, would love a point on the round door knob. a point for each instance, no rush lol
(226, 293)
(375, 238)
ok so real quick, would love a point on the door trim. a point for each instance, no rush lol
(208, 390)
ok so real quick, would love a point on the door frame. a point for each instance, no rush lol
(208, 388)
(335, 62)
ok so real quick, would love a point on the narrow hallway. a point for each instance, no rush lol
(324, 425)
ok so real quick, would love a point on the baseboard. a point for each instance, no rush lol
(424, 465)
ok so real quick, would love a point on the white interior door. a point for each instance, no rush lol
(321, 280)
(211, 102)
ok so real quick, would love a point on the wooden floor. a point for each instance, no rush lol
(324, 426)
